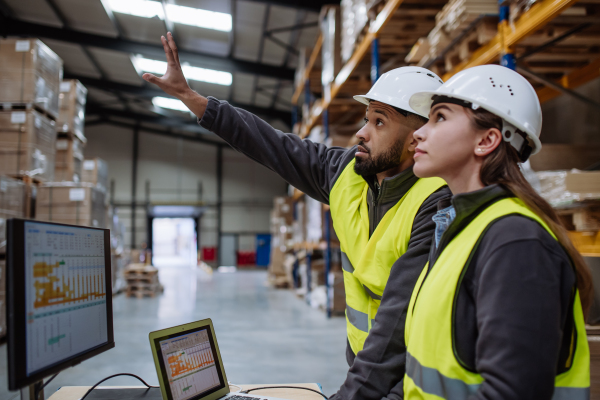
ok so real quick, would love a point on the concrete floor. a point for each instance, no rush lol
(265, 335)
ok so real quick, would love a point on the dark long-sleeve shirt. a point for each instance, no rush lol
(377, 370)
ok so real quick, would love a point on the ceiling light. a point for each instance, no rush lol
(173, 104)
(197, 17)
(177, 14)
(139, 8)
(193, 73)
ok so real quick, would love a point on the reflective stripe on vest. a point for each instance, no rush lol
(432, 368)
(367, 261)
(430, 381)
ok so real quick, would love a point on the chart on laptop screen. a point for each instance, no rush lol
(190, 364)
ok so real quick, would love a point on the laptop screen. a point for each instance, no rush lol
(189, 363)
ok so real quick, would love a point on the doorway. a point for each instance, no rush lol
(174, 242)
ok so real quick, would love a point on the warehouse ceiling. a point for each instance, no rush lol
(102, 46)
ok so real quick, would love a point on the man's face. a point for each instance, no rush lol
(385, 140)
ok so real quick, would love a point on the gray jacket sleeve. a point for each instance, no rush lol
(311, 167)
(378, 369)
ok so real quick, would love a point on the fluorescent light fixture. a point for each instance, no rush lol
(200, 18)
(177, 14)
(139, 8)
(173, 104)
(193, 73)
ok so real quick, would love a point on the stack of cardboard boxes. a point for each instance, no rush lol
(30, 75)
(71, 140)
(282, 218)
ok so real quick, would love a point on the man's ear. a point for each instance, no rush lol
(412, 142)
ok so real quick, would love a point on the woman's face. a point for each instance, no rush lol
(447, 143)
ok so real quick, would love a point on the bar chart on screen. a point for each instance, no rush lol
(66, 291)
(190, 365)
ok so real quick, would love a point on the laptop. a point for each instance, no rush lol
(189, 365)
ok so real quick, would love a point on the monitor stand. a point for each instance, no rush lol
(28, 392)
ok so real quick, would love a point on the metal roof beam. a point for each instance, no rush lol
(17, 27)
(149, 92)
(163, 132)
(310, 5)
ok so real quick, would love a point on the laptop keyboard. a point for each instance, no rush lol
(242, 398)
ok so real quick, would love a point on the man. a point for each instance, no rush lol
(382, 213)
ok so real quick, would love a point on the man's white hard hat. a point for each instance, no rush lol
(396, 87)
(499, 90)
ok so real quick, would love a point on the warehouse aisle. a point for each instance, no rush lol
(265, 335)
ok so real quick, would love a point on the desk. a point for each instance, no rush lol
(75, 392)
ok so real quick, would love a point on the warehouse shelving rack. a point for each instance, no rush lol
(550, 49)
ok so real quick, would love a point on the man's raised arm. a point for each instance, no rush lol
(310, 167)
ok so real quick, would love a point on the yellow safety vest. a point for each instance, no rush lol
(367, 261)
(432, 370)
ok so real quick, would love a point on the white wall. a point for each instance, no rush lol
(174, 167)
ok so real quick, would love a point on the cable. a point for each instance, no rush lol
(112, 376)
(281, 387)
(39, 387)
(232, 384)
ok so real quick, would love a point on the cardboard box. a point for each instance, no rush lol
(27, 144)
(73, 96)
(95, 171)
(30, 73)
(71, 203)
(69, 159)
(337, 293)
(284, 208)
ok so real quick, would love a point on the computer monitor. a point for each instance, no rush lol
(59, 298)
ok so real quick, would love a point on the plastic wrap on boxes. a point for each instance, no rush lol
(27, 144)
(71, 203)
(331, 51)
(95, 171)
(12, 198)
(30, 73)
(354, 18)
(69, 159)
(566, 187)
(73, 96)
(313, 220)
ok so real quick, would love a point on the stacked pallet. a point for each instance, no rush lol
(71, 140)
(142, 281)
(458, 17)
(30, 75)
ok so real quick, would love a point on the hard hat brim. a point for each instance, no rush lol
(421, 102)
(362, 99)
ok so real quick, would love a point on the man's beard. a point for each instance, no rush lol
(383, 162)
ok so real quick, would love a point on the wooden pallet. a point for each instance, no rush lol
(19, 106)
(584, 217)
(144, 290)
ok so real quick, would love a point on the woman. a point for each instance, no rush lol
(498, 313)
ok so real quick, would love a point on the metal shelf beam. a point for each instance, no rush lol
(539, 15)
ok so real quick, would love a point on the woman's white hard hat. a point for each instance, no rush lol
(396, 87)
(499, 90)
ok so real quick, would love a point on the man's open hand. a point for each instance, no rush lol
(172, 82)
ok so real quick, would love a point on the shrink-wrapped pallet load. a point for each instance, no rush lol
(30, 76)
(27, 144)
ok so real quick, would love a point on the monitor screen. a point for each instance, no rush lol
(59, 297)
(187, 363)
